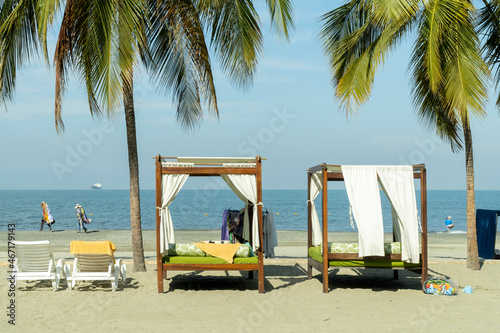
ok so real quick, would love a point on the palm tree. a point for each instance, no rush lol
(104, 41)
(448, 75)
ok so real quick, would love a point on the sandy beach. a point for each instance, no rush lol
(359, 300)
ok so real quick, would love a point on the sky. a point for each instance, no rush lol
(289, 116)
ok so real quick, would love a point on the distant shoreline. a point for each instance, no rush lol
(441, 246)
(201, 230)
(202, 189)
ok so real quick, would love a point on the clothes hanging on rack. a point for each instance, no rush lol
(233, 226)
(224, 232)
(233, 229)
(270, 234)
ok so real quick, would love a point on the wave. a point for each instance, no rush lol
(459, 232)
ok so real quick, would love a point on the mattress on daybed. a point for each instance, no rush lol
(389, 248)
(191, 250)
(207, 260)
(315, 253)
(192, 254)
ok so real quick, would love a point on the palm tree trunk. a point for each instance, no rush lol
(133, 163)
(472, 252)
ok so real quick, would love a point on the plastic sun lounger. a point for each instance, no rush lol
(97, 267)
(35, 262)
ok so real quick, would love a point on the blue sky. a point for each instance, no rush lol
(289, 116)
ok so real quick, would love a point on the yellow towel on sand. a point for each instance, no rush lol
(223, 251)
(106, 247)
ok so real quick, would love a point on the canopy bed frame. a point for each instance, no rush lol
(321, 257)
(232, 170)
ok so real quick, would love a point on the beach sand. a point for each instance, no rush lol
(359, 300)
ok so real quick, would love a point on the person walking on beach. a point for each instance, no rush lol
(82, 218)
(47, 217)
(449, 223)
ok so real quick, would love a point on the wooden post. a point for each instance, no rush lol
(423, 208)
(395, 272)
(325, 229)
(260, 252)
(309, 224)
(159, 259)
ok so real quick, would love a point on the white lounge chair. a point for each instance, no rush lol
(35, 261)
(96, 266)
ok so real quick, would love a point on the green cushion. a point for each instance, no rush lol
(244, 251)
(394, 248)
(315, 253)
(191, 250)
(185, 250)
(206, 260)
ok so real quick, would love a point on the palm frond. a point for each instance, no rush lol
(18, 42)
(236, 37)
(356, 39)
(386, 12)
(97, 52)
(179, 60)
(63, 60)
(131, 33)
(449, 77)
(102, 69)
(76, 49)
(99, 40)
(46, 10)
(435, 113)
(489, 27)
(281, 12)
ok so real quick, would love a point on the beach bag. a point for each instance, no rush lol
(437, 286)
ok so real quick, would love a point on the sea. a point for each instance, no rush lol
(202, 209)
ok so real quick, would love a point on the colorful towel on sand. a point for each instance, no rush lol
(223, 251)
(440, 287)
(97, 247)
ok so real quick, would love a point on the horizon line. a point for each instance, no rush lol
(197, 189)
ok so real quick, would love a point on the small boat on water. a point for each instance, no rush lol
(96, 186)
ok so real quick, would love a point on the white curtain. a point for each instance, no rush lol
(314, 189)
(245, 187)
(396, 226)
(170, 186)
(364, 196)
(398, 184)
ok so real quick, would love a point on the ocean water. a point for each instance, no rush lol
(202, 209)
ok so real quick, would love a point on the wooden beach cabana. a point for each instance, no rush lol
(244, 177)
(363, 185)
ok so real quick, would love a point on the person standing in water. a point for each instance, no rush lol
(449, 223)
(47, 217)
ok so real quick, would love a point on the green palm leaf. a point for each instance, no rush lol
(281, 12)
(18, 42)
(356, 38)
(448, 73)
(235, 32)
(179, 60)
(489, 27)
